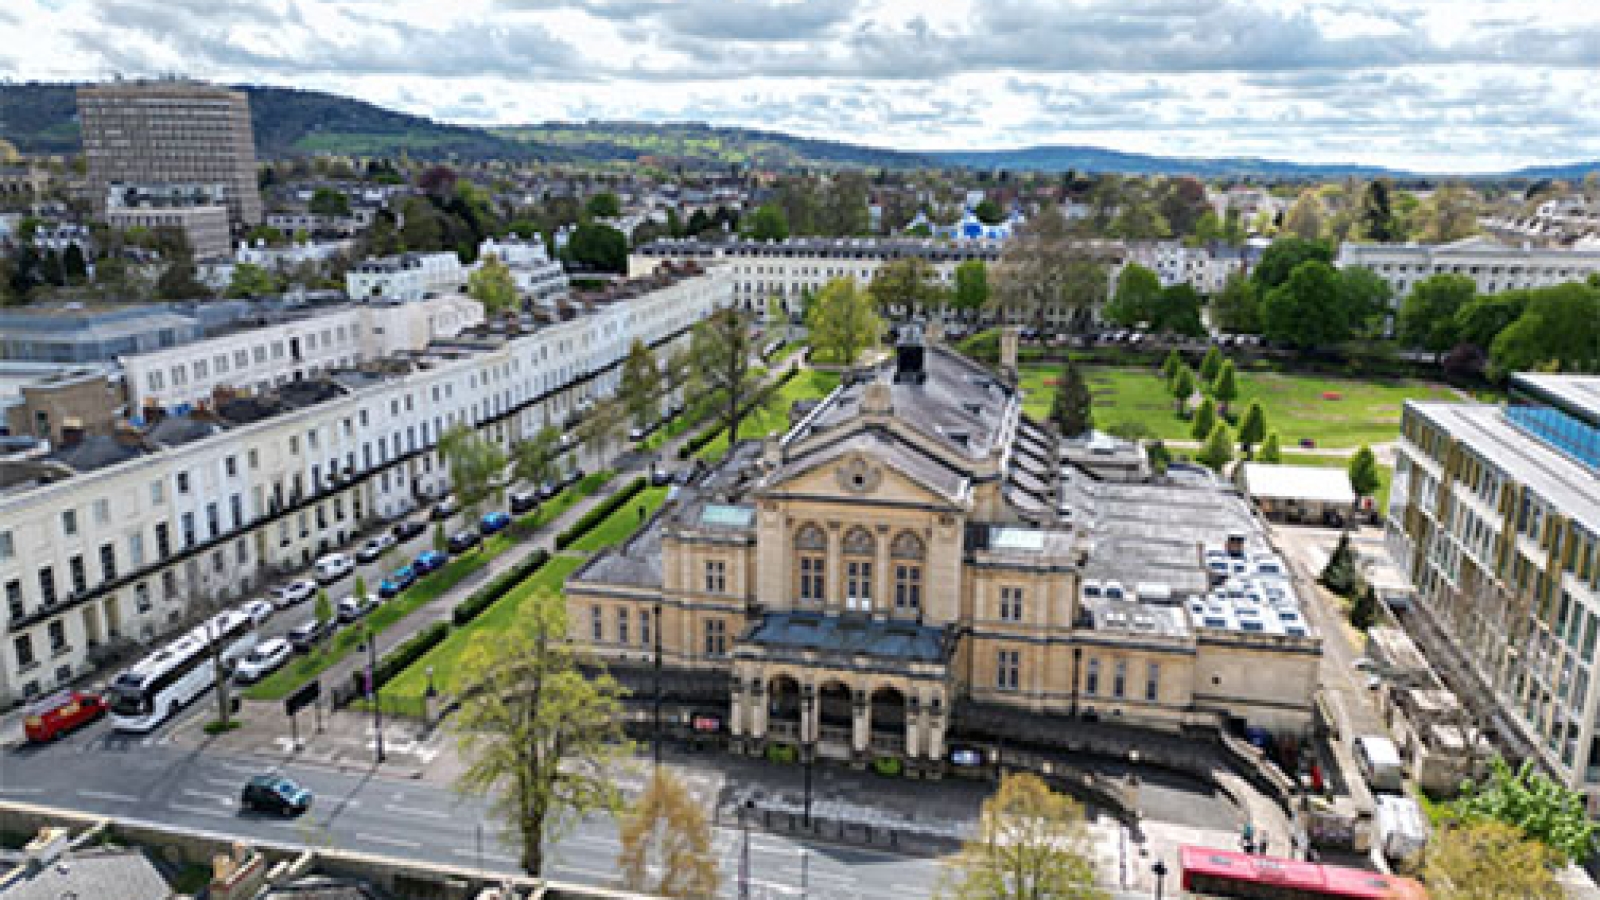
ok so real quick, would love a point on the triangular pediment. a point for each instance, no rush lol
(870, 466)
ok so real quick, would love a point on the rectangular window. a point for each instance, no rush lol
(80, 580)
(230, 466)
(14, 605)
(158, 493)
(183, 482)
(1008, 670)
(141, 597)
(1011, 604)
(716, 576)
(58, 636)
(108, 562)
(1152, 682)
(1091, 679)
(811, 578)
(187, 521)
(8, 547)
(163, 541)
(597, 624)
(102, 511)
(69, 522)
(1119, 680)
(622, 624)
(858, 584)
(645, 617)
(716, 637)
(907, 587)
(24, 648)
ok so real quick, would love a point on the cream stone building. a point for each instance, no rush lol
(916, 553)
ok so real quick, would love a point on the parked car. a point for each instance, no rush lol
(462, 541)
(297, 591)
(660, 476)
(493, 522)
(353, 608)
(263, 660)
(549, 489)
(637, 434)
(446, 508)
(429, 561)
(275, 794)
(524, 501)
(398, 580)
(334, 566)
(573, 477)
(410, 528)
(375, 547)
(258, 610)
(61, 713)
(306, 635)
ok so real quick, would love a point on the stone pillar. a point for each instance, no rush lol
(936, 722)
(860, 723)
(756, 699)
(1010, 335)
(736, 712)
(833, 596)
(882, 579)
(913, 727)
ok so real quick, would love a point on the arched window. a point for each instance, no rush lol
(811, 552)
(908, 553)
(859, 550)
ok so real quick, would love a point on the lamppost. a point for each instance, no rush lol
(372, 687)
(655, 632)
(808, 742)
(1160, 871)
(744, 852)
(1077, 657)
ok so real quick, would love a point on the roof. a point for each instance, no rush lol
(1314, 484)
(103, 872)
(849, 636)
(96, 452)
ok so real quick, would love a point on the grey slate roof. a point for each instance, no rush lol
(849, 636)
(96, 452)
(108, 873)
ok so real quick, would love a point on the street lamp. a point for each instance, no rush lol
(371, 644)
(744, 852)
(656, 634)
(1160, 871)
(808, 742)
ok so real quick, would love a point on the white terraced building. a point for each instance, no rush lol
(118, 540)
(537, 276)
(1493, 266)
(408, 276)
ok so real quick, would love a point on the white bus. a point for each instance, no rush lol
(146, 695)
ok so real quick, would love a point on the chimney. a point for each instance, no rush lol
(877, 400)
(71, 432)
(237, 875)
(909, 362)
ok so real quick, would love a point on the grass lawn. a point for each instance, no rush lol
(809, 384)
(616, 528)
(284, 681)
(1366, 412)
(413, 682)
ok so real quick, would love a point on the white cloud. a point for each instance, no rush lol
(1468, 85)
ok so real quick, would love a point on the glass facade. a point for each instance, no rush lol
(1572, 431)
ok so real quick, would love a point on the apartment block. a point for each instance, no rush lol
(406, 276)
(1492, 266)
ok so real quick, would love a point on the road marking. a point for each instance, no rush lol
(201, 811)
(107, 795)
(385, 839)
(414, 811)
(209, 795)
(220, 782)
(601, 877)
(21, 790)
(487, 855)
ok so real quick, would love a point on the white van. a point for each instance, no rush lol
(1379, 760)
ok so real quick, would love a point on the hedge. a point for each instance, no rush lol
(598, 513)
(395, 661)
(484, 597)
(706, 436)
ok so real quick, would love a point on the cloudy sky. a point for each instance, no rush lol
(1438, 85)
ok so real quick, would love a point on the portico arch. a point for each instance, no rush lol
(783, 708)
(887, 719)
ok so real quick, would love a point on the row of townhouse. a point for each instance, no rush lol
(120, 539)
(1205, 268)
(407, 276)
(1492, 266)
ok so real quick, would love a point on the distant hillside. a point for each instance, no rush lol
(1097, 159)
(1574, 171)
(706, 145)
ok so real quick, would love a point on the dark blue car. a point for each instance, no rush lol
(429, 561)
(493, 522)
(398, 580)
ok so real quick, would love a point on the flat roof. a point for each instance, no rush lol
(1318, 484)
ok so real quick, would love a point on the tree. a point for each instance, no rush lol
(1137, 296)
(1237, 309)
(1171, 365)
(1480, 320)
(640, 386)
(598, 248)
(1449, 214)
(971, 285)
(1184, 205)
(1428, 315)
(492, 285)
(842, 322)
(1182, 386)
(843, 210)
(602, 426)
(323, 608)
(1487, 860)
(1305, 218)
(1271, 452)
(1072, 409)
(1307, 310)
(534, 459)
(989, 212)
(1366, 300)
(1031, 844)
(421, 227)
(667, 833)
(1377, 214)
(477, 466)
(1225, 387)
(251, 280)
(1178, 311)
(329, 202)
(769, 223)
(537, 735)
(1559, 330)
(1528, 800)
(1043, 270)
(1340, 575)
(720, 351)
(1210, 364)
(1364, 608)
(1252, 428)
(1365, 479)
(73, 265)
(180, 281)
(1218, 448)
(1205, 420)
(903, 287)
(1285, 255)
(604, 205)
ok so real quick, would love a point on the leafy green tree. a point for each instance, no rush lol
(666, 842)
(640, 386)
(492, 285)
(604, 205)
(251, 280)
(720, 352)
(603, 426)
(1207, 229)
(1171, 365)
(1480, 320)
(597, 247)
(1072, 408)
(1210, 364)
(329, 202)
(1159, 456)
(1365, 478)
(1285, 255)
(538, 735)
(1449, 214)
(843, 210)
(382, 237)
(1428, 315)
(1178, 311)
(989, 212)
(1218, 448)
(1237, 309)
(1488, 860)
(1044, 269)
(1225, 387)
(1183, 204)
(534, 459)
(1305, 217)
(1377, 213)
(842, 322)
(1560, 330)
(905, 286)
(1308, 310)
(477, 466)
(1137, 297)
(1031, 844)
(180, 280)
(1364, 608)
(971, 285)
(323, 608)
(1205, 420)
(422, 227)
(1182, 386)
(1340, 574)
(73, 265)
(1530, 801)
(1252, 428)
(769, 223)
(1271, 452)
(1367, 301)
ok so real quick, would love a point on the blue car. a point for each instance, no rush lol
(398, 580)
(493, 522)
(429, 561)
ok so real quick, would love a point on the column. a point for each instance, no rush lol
(756, 697)
(913, 726)
(833, 601)
(860, 722)
(736, 713)
(882, 579)
(936, 721)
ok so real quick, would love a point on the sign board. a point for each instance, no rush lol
(707, 723)
(302, 698)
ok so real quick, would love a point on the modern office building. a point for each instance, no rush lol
(1495, 515)
(116, 539)
(204, 227)
(149, 134)
(1492, 266)
(916, 555)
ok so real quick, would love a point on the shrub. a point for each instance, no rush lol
(782, 753)
(484, 597)
(888, 765)
(599, 513)
(397, 660)
(983, 346)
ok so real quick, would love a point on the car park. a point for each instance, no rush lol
(353, 608)
(334, 566)
(306, 635)
(410, 528)
(375, 547)
(397, 581)
(462, 541)
(429, 561)
(263, 660)
(259, 611)
(275, 794)
(60, 713)
(446, 508)
(524, 501)
(297, 591)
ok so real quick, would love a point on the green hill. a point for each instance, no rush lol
(705, 145)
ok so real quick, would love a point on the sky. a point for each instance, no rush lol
(1427, 85)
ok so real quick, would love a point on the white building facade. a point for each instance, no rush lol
(408, 276)
(536, 275)
(1493, 266)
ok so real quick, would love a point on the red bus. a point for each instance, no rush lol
(1227, 873)
(60, 713)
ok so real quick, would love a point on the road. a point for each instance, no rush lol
(144, 777)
